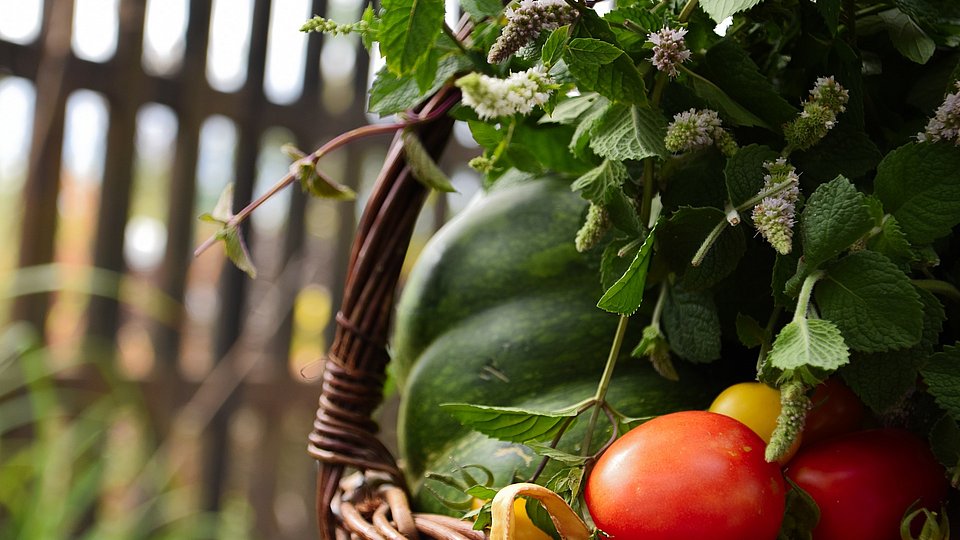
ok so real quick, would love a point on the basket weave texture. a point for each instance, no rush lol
(373, 503)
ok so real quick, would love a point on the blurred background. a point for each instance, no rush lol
(145, 393)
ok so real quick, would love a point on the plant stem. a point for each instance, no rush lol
(769, 192)
(708, 242)
(604, 385)
(806, 291)
(338, 141)
(647, 202)
(940, 287)
(688, 10)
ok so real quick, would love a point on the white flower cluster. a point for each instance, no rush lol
(517, 94)
(669, 49)
(695, 129)
(945, 124)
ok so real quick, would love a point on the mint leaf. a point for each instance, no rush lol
(613, 264)
(546, 145)
(392, 93)
(891, 241)
(692, 325)
(626, 295)
(919, 183)
(830, 11)
(942, 375)
(425, 170)
(571, 109)
(744, 173)
(881, 380)
(601, 67)
(749, 331)
(600, 183)
(553, 48)
(809, 343)
(718, 99)
(683, 234)
(845, 151)
(945, 441)
(408, 29)
(912, 42)
(626, 132)
(509, 424)
(693, 179)
(733, 70)
(872, 302)
(481, 9)
(721, 9)
(835, 217)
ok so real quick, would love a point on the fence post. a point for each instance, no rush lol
(42, 187)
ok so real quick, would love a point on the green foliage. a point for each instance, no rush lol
(408, 29)
(942, 375)
(510, 424)
(692, 324)
(629, 132)
(626, 294)
(835, 217)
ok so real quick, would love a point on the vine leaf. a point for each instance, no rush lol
(230, 235)
(626, 294)
(408, 29)
(510, 424)
(424, 168)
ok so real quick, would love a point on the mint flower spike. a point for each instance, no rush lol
(491, 97)
(669, 49)
(945, 124)
(695, 129)
(526, 22)
(827, 100)
(774, 215)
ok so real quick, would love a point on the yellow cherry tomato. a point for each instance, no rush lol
(526, 530)
(756, 405)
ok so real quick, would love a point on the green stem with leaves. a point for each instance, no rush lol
(601, 394)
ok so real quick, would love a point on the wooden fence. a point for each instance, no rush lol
(250, 338)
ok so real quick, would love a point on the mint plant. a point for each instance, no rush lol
(793, 175)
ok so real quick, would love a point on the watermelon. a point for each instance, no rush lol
(500, 309)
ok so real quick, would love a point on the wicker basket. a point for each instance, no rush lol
(373, 502)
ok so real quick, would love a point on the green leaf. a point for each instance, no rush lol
(626, 132)
(945, 442)
(408, 30)
(556, 455)
(237, 250)
(425, 170)
(693, 179)
(881, 380)
(912, 42)
(626, 295)
(483, 493)
(830, 11)
(553, 48)
(601, 67)
(835, 217)
(481, 9)
(919, 183)
(613, 264)
(546, 145)
(721, 9)
(571, 109)
(802, 513)
(692, 325)
(749, 331)
(392, 93)
(890, 240)
(845, 151)
(734, 71)
(600, 183)
(744, 173)
(809, 343)
(317, 183)
(872, 302)
(682, 236)
(510, 424)
(587, 125)
(942, 375)
(718, 99)
(223, 210)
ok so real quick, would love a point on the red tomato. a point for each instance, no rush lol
(864, 482)
(686, 475)
(836, 410)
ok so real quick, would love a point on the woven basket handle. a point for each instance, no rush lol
(344, 435)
